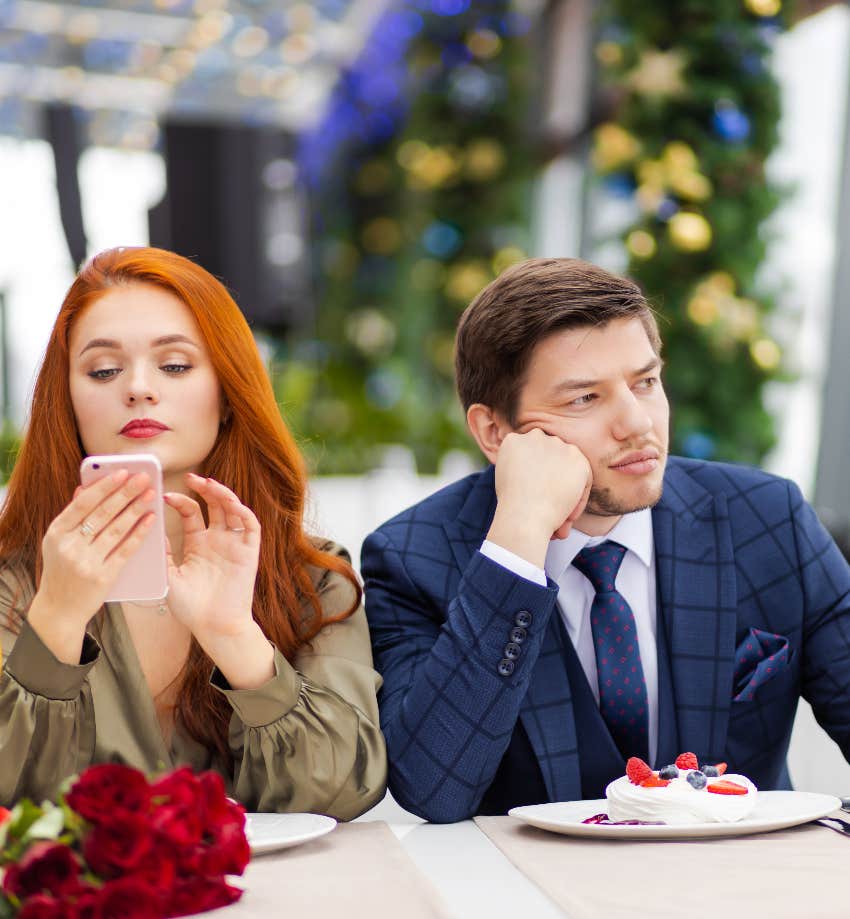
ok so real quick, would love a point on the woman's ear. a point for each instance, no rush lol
(488, 428)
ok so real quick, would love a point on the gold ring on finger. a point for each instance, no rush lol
(87, 529)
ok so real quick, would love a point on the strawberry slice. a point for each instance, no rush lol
(4, 814)
(721, 768)
(687, 761)
(637, 770)
(653, 781)
(726, 787)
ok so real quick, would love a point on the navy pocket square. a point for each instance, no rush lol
(758, 658)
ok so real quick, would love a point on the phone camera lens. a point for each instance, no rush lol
(95, 465)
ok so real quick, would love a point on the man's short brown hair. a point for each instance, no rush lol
(529, 301)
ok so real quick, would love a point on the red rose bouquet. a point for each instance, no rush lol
(119, 847)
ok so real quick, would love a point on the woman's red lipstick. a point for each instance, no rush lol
(140, 428)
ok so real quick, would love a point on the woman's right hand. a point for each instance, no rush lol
(83, 551)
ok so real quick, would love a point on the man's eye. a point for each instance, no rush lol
(584, 400)
(106, 373)
(648, 382)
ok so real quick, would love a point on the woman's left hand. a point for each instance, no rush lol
(212, 590)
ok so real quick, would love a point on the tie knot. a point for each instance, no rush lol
(600, 564)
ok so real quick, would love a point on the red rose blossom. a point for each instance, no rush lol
(104, 792)
(114, 848)
(179, 788)
(43, 907)
(47, 867)
(198, 894)
(129, 898)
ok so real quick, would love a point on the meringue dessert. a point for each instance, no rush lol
(680, 794)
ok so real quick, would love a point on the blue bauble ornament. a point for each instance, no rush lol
(730, 124)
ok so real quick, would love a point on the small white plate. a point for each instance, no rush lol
(774, 810)
(270, 832)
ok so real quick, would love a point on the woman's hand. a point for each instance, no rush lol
(83, 551)
(212, 590)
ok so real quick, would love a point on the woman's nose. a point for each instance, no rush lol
(141, 389)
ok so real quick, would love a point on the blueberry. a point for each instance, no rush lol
(697, 779)
(710, 771)
(668, 772)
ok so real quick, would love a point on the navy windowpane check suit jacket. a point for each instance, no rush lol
(753, 597)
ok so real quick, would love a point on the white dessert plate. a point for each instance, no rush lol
(270, 832)
(774, 810)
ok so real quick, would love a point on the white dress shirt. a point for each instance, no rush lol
(635, 581)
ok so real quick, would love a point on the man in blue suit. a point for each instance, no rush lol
(588, 598)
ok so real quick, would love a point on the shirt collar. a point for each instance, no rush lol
(634, 531)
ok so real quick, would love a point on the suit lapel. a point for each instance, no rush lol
(547, 710)
(697, 592)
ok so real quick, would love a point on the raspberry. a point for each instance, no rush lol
(653, 781)
(637, 770)
(727, 787)
(687, 761)
(721, 768)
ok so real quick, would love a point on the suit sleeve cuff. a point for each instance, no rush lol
(269, 702)
(513, 562)
(37, 669)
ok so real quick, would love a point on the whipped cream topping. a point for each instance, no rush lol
(679, 803)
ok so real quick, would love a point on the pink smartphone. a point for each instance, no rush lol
(145, 574)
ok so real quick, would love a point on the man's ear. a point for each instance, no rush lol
(488, 428)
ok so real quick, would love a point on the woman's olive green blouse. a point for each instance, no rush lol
(307, 740)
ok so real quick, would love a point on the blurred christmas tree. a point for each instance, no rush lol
(421, 176)
(695, 111)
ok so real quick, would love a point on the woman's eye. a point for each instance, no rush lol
(176, 368)
(106, 373)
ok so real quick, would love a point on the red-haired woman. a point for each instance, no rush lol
(259, 664)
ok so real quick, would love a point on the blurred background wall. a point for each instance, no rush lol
(356, 170)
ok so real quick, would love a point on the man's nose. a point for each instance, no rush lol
(632, 418)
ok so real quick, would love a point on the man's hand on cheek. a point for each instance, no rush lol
(542, 486)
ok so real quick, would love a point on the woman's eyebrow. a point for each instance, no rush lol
(157, 342)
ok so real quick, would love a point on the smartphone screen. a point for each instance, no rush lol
(145, 574)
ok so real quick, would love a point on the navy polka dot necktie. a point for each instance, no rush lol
(622, 688)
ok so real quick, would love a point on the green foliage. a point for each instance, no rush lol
(9, 444)
(422, 223)
(695, 115)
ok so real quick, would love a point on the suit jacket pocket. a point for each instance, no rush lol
(759, 658)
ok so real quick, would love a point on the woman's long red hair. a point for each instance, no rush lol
(255, 455)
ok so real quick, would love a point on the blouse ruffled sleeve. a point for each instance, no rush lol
(47, 729)
(309, 739)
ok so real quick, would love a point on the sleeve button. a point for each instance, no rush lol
(506, 667)
(518, 634)
(523, 618)
(512, 650)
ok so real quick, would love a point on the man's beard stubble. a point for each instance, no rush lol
(603, 502)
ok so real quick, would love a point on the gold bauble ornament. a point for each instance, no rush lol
(614, 147)
(764, 7)
(484, 159)
(381, 236)
(465, 280)
(766, 353)
(689, 232)
(641, 244)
